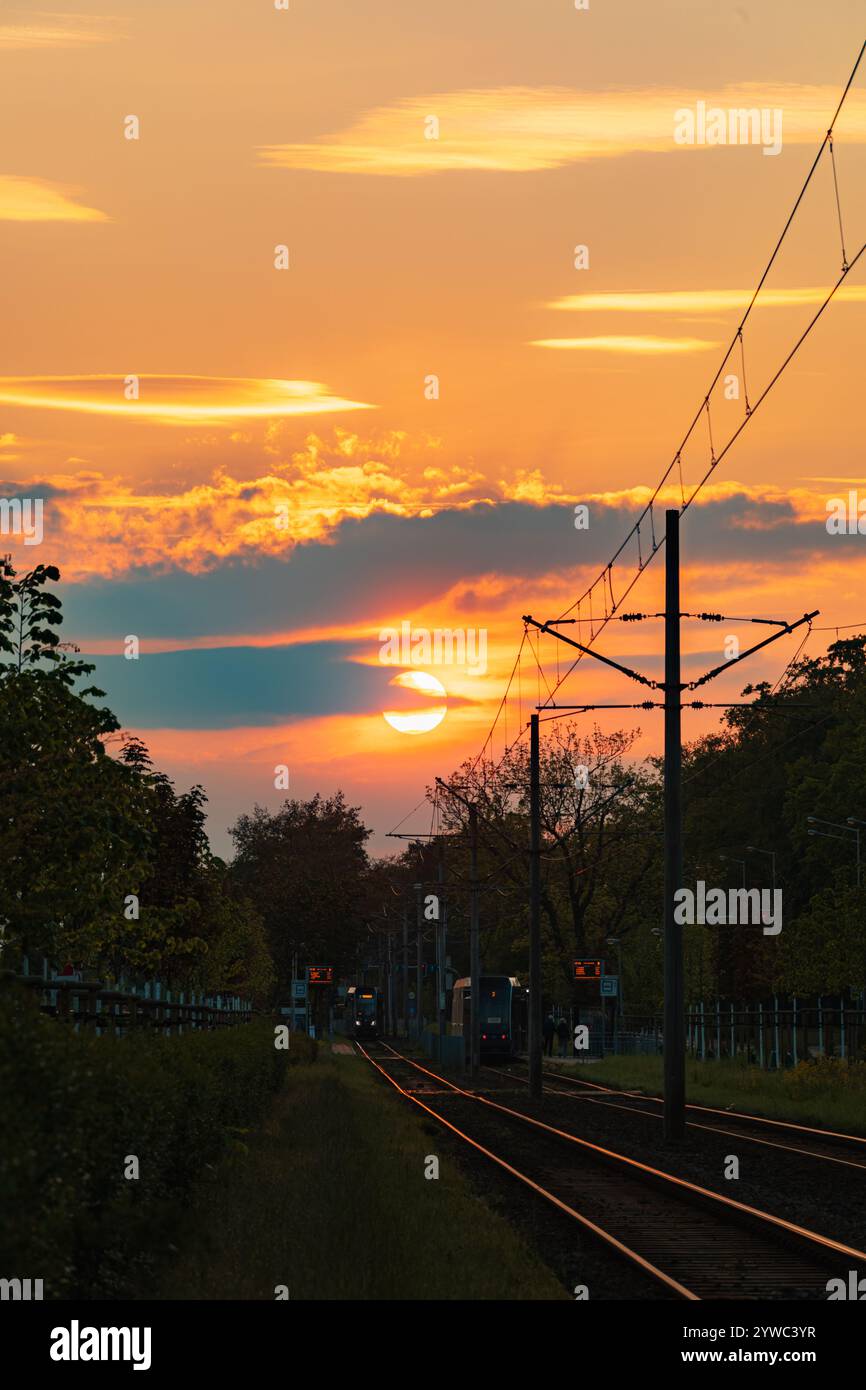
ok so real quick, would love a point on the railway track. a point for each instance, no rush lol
(695, 1243)
(845, 1150)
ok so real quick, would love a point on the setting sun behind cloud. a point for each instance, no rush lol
(417, 721)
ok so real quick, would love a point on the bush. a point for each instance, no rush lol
(77, 1106)
(822, 1074)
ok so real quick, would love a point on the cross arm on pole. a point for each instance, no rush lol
(717, 670)
(446, 786)
(587, 651)
(415, 835)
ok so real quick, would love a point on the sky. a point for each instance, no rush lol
(320, 321)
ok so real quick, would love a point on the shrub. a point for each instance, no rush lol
(77, 1105)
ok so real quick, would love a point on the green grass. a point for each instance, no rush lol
(826, 1092)
(329, 1198)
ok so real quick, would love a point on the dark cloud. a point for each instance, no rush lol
(229, 687)
(367, 564)
(33, 490)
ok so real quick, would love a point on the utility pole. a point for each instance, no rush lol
(672, 687)
(389, 1010)
(534, 1042)
(440, 954)
(674, 1030)
(419, 954)
(405, 980)
(474, 950)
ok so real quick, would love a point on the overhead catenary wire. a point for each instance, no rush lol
(737, 338)
(604, 576)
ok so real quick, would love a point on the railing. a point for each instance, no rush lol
(778, 1033)
(643, 1040)
(641, 1035)
(775, 1033)
(118, 1009)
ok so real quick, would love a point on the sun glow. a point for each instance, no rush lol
(419, 721)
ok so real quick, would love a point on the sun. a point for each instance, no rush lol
(417, 721)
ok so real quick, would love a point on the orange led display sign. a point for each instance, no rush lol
(588, 969)
(321, 974)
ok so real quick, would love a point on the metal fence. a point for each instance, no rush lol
(118, 1009)
(779, 1032)
(643, 1040)
(607, 1033)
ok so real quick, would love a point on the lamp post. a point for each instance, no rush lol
(771, 853)
(617, 942)
(729, 859)
(742, 863)
(855, 825)
(850, 827)
(617, 1014)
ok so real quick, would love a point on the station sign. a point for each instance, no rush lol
(610, 985)
(321, 974)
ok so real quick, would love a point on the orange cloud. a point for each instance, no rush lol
(47, 30)
(98, 525)
(702, 301)
(519, 129)
(37, 200)
(645, 344)
(103, 525)
(174, 400)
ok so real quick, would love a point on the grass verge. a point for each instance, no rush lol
(330, 1199)
(825, 1092)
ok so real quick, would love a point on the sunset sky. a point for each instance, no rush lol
(286, 484)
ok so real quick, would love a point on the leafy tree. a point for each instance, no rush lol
(597, 855)
(82, 834)
(69, 831)
(797, 751)
(822, 951)
(72, 839)
(303, 868)
(29, 613)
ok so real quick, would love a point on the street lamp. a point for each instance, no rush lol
(753, 849)
(855, 825)
(742, 863)
(850, 827)
(729, 859)
(617, 942)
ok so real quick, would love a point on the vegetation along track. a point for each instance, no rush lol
(697, 1243)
